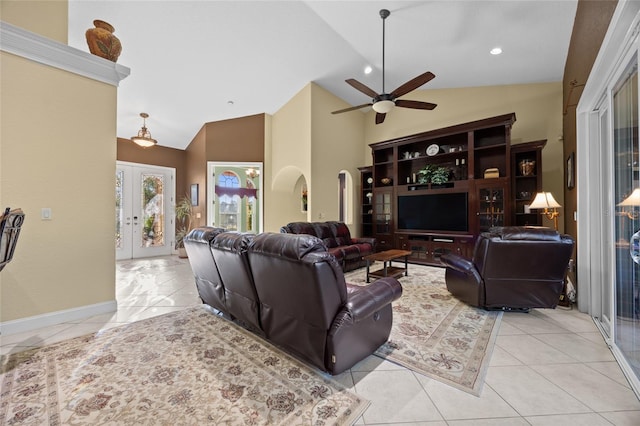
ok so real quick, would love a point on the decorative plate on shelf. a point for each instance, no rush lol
(370, 180)
(433, 149)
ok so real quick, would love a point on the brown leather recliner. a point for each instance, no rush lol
(197, 243)
(241, 301)
(307, 308)
(512, 267)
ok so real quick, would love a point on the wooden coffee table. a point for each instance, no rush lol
(386, 257)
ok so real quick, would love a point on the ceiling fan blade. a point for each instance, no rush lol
(415, 104)
(353, 108)
(361, 87)
(380, 117)
(413, 84)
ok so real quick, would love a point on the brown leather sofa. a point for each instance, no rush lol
(348, 251)
(230, 254)
(513, 268)
(197, 243)
(302, 302)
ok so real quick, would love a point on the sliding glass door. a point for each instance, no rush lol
(608, 198)
(626, 191)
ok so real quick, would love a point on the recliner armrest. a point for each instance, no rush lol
(458, 263)
(364, 301)
(364, 240)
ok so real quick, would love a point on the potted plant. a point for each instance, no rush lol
(425, 173)
(440, 175)
(184, 214)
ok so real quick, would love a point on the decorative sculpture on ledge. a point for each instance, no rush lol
(102, 42)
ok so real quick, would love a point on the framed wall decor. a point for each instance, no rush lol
(194, 194)
(571, 171)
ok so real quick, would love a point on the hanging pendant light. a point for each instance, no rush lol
(143, 138)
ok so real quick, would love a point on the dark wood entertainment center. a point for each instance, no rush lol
(393, 189)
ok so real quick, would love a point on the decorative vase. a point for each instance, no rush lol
(527, 167)
(102, 42)
(182, 253)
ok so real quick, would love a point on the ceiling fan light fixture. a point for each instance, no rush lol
(384, 106)
(384, 102)
(143, 138)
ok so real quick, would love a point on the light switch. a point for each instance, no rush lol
(198, 215)
(46, 213)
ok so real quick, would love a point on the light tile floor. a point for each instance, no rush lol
(549, 367)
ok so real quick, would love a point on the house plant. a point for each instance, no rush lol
(425, 173)
(436, 175)
(440, 175)
(184, 214)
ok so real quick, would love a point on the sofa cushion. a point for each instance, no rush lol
(341, 233)
(230, 254)
(351, 252)
(337, 252)
(299, 285)
(324, 231)
(294, 247)
(197, 243)
(529, 233)
(299, 228)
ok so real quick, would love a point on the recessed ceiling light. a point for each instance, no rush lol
(496, 51)
(368, 69)
(230, 103)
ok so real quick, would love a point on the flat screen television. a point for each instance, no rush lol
(434, 212)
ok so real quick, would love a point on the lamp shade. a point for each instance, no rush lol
(544, 200)
(383, 107)
(143, 138)
(144, 141)
(632, 200)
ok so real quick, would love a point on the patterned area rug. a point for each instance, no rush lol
(435, 334)
(187, 367)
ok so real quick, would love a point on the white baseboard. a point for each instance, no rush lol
(58, 317)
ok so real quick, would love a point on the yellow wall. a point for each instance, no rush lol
(57, 150)
(289, 157)
(310, 145)
(336, 146)
(309, 140)
(48, 18)
(538, 109)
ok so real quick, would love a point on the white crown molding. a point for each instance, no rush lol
(32, 46)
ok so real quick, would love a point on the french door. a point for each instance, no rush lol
(144, 210)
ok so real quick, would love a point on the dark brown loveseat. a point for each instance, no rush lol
(348, 251)
(513, 267)
(290, 289)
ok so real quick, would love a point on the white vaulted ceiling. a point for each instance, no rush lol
(188, 59)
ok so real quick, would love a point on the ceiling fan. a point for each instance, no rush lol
(383, 103)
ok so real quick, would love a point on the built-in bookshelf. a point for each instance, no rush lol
(434, 192)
